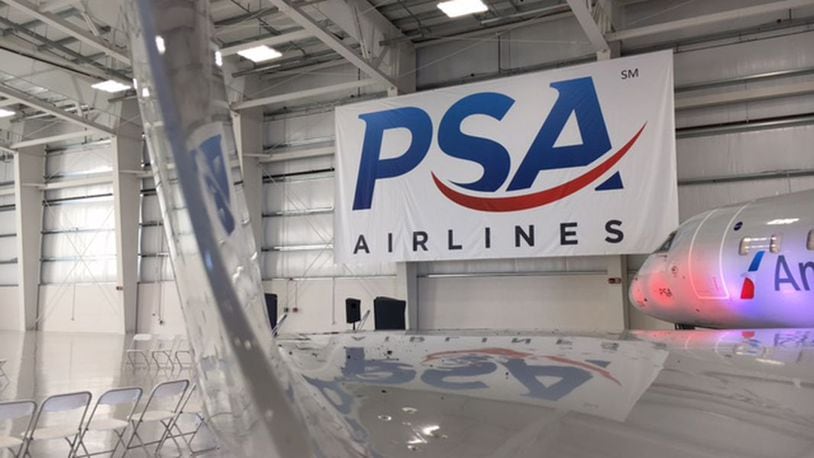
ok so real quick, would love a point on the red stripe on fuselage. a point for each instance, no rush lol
(748, 290)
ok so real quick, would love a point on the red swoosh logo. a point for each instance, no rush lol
(538, 199)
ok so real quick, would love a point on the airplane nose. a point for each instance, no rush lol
(637, 293)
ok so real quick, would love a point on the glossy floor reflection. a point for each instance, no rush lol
(44, 364)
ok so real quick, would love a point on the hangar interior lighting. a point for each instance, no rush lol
(457, 8)
(260, 53)
(159, 43)
(777, 222)
(111, 86)
(6, 113)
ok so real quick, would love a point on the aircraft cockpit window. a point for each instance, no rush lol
(743, 248)
(810, 240)
(774, 244)
(665, 247)
(753, 244)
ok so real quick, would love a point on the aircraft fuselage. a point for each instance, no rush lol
(746, 265)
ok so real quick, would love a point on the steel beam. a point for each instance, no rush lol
(303, 94)
(105, 178)
(748, 95)
(582, 12)
(362, 22)
(57, 5)
(33, 102)
(28, 165)
(738, 13)
(298, 154)
(66, 27)
(31, 52)
(51, 139)
(270, 41)
(305, 21)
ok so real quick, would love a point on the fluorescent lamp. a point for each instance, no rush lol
(218, 59)
(159, 44)
(457, 8)
(111, 86)
(430, 430)
(6, 113)
(260, 53)
(776, 222)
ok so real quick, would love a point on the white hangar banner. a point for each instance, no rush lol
(574, 161)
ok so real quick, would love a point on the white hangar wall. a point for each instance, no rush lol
(724, 156)
(727, 152)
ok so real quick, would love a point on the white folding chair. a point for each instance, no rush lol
(163, 350)
(198, 419)
(15, 410)
(141, 345)
(68, 430)
(163, 406)
(183, 349)
(4, 380)
(97, 423)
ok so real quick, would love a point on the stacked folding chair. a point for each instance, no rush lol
(163, 407)
(140, 350)
(9, 412)
(183, 349)
(198, 420)
(66, 429)
(102, 422)
(4, 380)
(163, 352)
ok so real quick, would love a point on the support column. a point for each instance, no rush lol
(407, 289)
(127, 150)
(29, 164)
(617, 289)
(407, 272)
(617, 264)
(248, 125)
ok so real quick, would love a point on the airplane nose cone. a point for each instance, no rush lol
(636, 293)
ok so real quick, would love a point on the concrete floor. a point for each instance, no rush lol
(43, 364)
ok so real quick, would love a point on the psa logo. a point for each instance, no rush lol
(577, 96)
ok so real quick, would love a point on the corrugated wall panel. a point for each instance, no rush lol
(78, 241)
(730, 155)
(712, 156)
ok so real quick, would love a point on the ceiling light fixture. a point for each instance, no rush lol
(260, 53)
(6, 113)
(111, 86)
(458, 8)
(159, 44)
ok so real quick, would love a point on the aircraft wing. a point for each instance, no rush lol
(459, 394)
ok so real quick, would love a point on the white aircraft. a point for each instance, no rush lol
(740, 266)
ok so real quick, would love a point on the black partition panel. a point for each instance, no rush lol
(388, 313)
(353, 310)
(271, 307)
